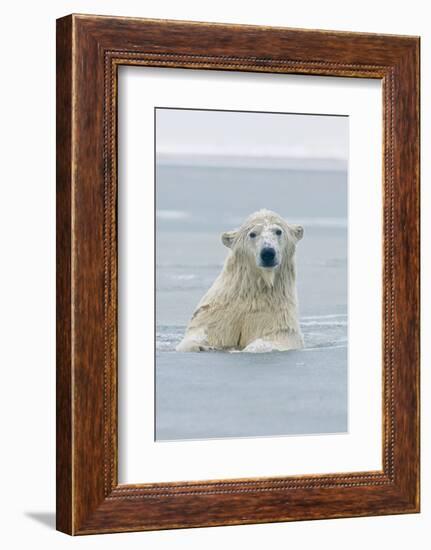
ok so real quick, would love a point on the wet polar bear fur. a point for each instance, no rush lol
(252, 305)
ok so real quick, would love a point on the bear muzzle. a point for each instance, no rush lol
(268, 257)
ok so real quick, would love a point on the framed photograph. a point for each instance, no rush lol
(237, 274)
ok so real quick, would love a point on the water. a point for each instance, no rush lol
(320, 331)
(222, 394)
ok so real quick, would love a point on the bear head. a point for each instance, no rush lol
(265, 240)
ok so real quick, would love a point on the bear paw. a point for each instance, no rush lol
(258, 346)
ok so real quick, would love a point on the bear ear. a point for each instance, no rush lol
(298, 232)
(228, 238)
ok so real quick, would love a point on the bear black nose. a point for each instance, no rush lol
(267, 255)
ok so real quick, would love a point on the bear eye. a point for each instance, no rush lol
(278, 232)
(252, 235)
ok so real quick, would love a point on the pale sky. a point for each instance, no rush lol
(195, 132)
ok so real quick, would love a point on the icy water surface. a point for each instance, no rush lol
(222, 394)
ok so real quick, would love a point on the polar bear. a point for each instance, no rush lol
(252, 304)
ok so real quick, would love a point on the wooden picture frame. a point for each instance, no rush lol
(89, 51)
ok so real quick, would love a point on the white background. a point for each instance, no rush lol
(27, 122)
(141, 458)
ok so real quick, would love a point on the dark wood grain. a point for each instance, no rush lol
(90, 49)
(64, 496)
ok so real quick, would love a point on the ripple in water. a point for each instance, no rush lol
(320, 332)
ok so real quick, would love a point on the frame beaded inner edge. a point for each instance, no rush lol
(112, 490)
